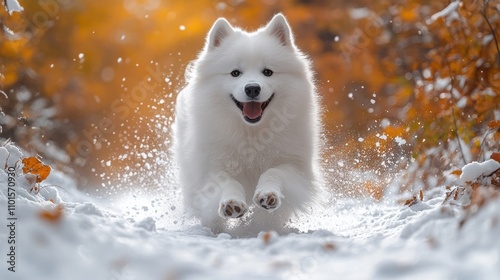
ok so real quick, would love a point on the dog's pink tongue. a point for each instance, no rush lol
(252, 110)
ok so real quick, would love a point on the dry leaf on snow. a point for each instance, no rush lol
(34, 166)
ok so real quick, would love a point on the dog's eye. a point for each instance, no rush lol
(267, 72)
(235, 73)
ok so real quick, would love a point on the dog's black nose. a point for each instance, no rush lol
(252, 90)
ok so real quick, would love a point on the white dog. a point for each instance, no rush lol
(246, 134)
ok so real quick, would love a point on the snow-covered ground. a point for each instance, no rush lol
(145, 236)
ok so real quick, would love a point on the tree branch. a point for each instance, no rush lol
(483, 13)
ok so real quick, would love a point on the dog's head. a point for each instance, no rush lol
(252, 71)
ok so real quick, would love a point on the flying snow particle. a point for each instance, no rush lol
(182, 27)
(360, 139)
(400, 141)
(384, 123)
(383, 136)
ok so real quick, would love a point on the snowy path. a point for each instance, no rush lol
(348, 240)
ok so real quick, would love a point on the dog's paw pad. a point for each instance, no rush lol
(267, 200)
(232, 209)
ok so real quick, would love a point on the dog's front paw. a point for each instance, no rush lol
(232, 208)
(269, 200)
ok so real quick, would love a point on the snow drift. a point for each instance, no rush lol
(62, 233)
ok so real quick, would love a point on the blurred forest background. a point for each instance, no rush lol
(89, 85)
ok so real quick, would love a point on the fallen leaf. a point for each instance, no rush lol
(329, 246)
(457, 172)
(495, 156)
(421, 195)
(34, 166)
(266, 237)
(52, 216)
(432, 241)
(411, 201)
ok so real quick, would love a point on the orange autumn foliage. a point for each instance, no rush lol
(384, 70)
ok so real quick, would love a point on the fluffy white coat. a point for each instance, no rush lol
(246, 167)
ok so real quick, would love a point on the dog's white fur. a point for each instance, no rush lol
(228, 164)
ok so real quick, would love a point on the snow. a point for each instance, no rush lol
(462, 102)
(359, 13)
(442, 83)
(475, 169)
(146, 237)
(13, 6)
(400, 141)
(487, 39)
(449, 13)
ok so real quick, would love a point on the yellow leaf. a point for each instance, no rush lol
(34, 166)
(52, 216)
(457, 172)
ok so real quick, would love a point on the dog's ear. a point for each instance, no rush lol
(279, 28)
(220, 30)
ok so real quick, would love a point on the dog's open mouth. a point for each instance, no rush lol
(252, 111)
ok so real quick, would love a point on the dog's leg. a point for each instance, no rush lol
(232, 203)
(280, 182)
(268, 193)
